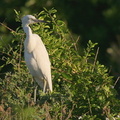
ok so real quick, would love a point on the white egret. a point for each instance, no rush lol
(36, 56)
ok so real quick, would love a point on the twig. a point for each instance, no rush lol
(7, 27)
(75, 41)
(109, 70)
(116, 81)
(70, 113)
(75, 44)
(95, 60)
(11, 29)
(90, 107)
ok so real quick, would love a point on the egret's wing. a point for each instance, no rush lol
(42, 59)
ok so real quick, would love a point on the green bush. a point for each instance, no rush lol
(82, 87)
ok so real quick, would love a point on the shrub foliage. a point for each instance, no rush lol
(82, 86)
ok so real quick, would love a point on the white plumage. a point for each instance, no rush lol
(36, 55)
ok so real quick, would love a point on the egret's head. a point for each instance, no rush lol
(29, 19)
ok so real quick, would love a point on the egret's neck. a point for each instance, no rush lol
(27, 30)
(29, 43)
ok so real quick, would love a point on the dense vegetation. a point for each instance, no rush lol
(97, 20)
(83, 88)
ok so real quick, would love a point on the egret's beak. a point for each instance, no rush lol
(37, 21)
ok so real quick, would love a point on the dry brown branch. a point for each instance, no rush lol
(7, 27)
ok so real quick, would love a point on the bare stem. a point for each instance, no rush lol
(95, 60)
(7, 27)
(116, 81)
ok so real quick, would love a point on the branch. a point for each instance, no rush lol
(7, 27)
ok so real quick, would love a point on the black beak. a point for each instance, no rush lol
(37, 21)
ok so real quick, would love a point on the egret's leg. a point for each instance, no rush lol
(44, 88)
(35, 93)
(35, 90)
